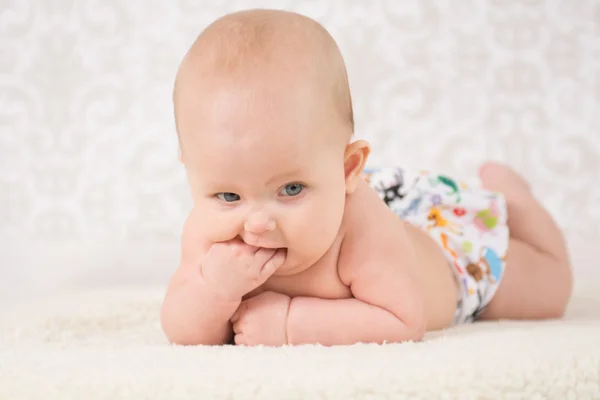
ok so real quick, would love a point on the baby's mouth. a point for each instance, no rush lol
(258, 242)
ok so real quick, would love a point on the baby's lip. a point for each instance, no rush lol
(258, 242)
(267, 246)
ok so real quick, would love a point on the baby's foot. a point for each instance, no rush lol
(501, 178)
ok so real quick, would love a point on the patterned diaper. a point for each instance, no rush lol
(469, 223)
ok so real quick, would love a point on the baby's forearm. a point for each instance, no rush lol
(190, 315)
(346, 321)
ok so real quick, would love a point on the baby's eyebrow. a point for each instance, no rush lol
(283, 176)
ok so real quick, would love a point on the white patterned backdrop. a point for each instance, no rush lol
(90, 188)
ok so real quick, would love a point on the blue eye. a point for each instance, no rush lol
(228, 197)
(293, 189)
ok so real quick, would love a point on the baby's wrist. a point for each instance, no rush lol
(207, 293)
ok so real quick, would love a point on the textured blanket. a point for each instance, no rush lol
(107, 344)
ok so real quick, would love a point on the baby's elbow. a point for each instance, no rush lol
(174, 331)
(418, 328)
(412, 328)
(416, 321)
(180, 336)
(178, 332)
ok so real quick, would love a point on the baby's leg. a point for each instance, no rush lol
(537, 281)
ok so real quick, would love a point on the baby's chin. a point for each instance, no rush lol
(293, 263)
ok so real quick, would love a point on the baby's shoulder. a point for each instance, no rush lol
(373, 234)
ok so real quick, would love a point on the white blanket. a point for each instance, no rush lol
(107, 344)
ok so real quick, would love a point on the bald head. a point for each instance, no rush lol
(268, 48)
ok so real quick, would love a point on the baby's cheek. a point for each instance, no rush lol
(219, 226)
(321, 223)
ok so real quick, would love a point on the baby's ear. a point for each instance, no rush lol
(355, 159)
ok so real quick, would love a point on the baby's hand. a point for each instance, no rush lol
(232, 269)
(262, 320)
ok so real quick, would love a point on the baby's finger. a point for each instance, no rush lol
(238, 313)
(239, 339)
(218, 251)
(274, 263)
(240, 250)
(236, 328)
(214, 248)
(235, 317)
(261, 257)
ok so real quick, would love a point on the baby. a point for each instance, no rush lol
(291, 241)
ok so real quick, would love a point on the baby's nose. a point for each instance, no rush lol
(259, 222)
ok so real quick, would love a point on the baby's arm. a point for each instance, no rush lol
(378, 263)
(387, 308)
(209, 286)
(191, 313)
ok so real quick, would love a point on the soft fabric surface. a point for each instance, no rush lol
(107, 344)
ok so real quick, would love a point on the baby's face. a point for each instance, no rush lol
(265, 169)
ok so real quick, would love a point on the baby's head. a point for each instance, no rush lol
(264, 118)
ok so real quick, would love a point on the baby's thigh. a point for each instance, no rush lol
(534, 286)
